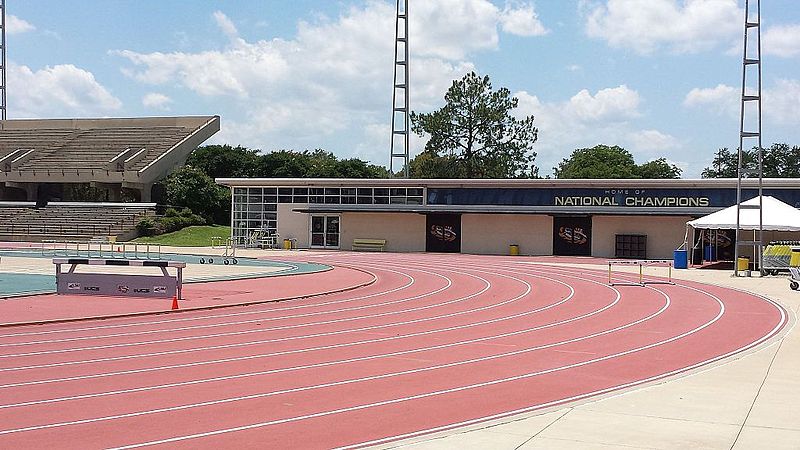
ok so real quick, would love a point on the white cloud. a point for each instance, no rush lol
(333, 78)
(226, 25)
(15, 25)
(584, 120)
(681, 26)
(652, 141)
(780, 104)
(609, 103)
(783, 41)
(62, 90)
(156, 101)
(522, 20)
(722, 99)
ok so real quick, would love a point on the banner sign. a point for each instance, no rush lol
(619, 198)
(443, 233)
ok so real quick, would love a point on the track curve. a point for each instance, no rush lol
(436, 342)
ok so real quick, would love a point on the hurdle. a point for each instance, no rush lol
(641, 264)
(115, 284)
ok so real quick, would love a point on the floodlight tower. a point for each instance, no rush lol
(400, 109)
(751, 67)
(2, 60)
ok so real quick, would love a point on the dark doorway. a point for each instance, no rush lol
(572, 236)
(443, 233)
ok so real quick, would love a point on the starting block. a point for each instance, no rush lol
(641, 264)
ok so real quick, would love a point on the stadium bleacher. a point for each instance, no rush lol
(71, 221)
(40, 157)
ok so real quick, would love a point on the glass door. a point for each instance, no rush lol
(325, 231)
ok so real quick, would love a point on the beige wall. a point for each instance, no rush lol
(293, 225)
(492, 233)
(403, 232)
(664, 233)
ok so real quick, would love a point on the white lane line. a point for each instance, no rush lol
(326, 347)
(323, 364)
(391, 401)
(236, 314)
(277, 353)
(484, 419)
(343, 382)
(261, 330)
(240, 344)
(241, 322)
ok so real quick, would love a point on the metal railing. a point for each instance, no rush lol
(100, 249)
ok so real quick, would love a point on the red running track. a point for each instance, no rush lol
(437, 342)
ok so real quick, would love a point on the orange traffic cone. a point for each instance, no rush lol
(175, 302)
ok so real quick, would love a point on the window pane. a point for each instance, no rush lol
(300, 191)
(365, 191)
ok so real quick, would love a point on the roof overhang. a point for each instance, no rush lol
(491, 209)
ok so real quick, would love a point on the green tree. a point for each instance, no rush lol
(779, 161)
(224, 161)
(607, 162)
(600, 161)
(191, 188)
(430, 165)
(283, 164)
(315, 164)
(476, 133)
(357, 168)
(657, 169)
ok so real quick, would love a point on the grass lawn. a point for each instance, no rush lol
(199, 236)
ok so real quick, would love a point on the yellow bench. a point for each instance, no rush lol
(369, 244)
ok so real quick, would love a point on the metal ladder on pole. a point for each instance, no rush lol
(750, 63)
(400, 109)
(2, 60)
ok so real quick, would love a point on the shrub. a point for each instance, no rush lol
(172, 220)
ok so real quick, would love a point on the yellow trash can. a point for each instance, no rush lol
(794, 260)
(287, 244)
(513, 249)
(743, 264)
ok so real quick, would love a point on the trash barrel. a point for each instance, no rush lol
(680, 259)
(287, 244)
(743, 264)
(710, 253)
(794, 260)
(513, 249)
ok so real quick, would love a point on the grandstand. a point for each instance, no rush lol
(109, 153)
(41, 158)
(23, 221)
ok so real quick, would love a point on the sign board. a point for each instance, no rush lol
(117, 285)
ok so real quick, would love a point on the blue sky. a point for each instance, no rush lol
(658, 77)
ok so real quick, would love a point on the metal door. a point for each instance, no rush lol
(325, 230)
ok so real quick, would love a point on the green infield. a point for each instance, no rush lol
(196, 236)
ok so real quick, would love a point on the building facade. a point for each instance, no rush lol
(603, 218)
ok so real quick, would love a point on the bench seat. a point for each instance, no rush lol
(369, 244)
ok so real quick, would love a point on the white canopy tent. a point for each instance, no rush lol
(778, 216)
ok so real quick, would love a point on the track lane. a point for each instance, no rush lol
(482, 370)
